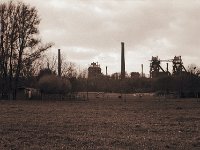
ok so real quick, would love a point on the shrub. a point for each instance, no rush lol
(45, 72)
(52, 84)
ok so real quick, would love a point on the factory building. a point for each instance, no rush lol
(94, 70)
(135, 75)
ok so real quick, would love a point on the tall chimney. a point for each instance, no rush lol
(167, 69)
(106, 71)
(122, 61)
(142, 71)
(59, 63)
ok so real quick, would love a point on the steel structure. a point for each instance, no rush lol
(156, 70)
(178, 67)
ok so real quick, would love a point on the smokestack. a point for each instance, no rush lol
(122, 61)
(142, 70)
(106, 71)
(59, 63)
(167, 68)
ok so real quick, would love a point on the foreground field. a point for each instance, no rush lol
(100, 124)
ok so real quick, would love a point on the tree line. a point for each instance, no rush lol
(183, 85)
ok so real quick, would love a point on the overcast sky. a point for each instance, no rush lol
(92, 30)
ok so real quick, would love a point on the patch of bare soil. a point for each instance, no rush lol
(100, 124)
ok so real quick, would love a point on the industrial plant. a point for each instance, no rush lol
(94, 70)
(156, 69)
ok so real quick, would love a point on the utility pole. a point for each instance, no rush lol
(87, 89)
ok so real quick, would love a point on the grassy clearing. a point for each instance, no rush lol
(100, 124)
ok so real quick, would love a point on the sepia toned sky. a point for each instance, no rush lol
(92, 30)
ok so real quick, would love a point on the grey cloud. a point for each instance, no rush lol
(148, 27)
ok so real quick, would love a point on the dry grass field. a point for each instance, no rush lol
(138, 123)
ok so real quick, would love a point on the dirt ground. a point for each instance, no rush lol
(138, 123)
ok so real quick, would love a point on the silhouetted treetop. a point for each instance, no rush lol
(20, 44)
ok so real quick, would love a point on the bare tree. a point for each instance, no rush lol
(83, 73)
(194, 69)
(69, 70)
(19, 42)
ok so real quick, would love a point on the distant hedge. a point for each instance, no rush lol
(51, 84)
